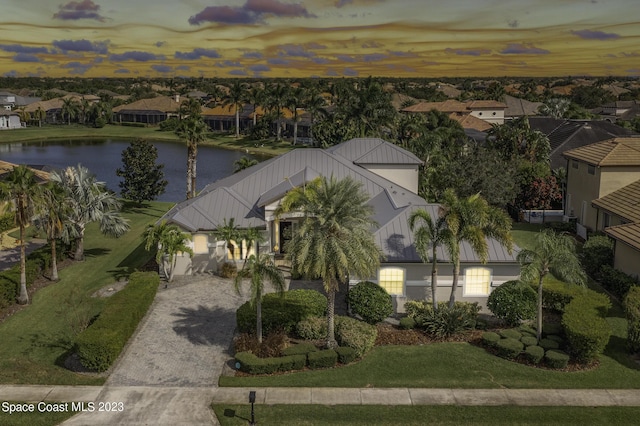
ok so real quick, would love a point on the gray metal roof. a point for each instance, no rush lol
(242, 195)
(374, 151)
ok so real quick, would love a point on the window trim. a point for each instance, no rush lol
(195, 244)
(591, 169)
(464, 287)
(404, 279)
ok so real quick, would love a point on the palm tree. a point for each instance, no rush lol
(243, 163)
(40, 114)
(20, 187)
(236, 98)
(293, 102)
(88, 201)
(276, 99)
(229, 233)
(51, 213)
(334, 236)
(315, 104)
(552, 253)
(69, 109)
(473, 220)
(258, 269)
(255, 96)
(193, 130)
(169, 241)
(428, 237)
(555, 107)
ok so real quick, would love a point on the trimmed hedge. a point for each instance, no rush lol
(556, 359)
(632, 310)
(597, 251)
(101, 343)
(282, 312)
(527, 330)
(557, 295)
(312, 328)
(513, 302)
(407, 323)
(370, 301)
(346, 354)
(355, 334)
(300, 349)
(10, 280)
(509, 348)
(534, 354)
(322, 359)
(529, 341)
(510, 332)
(617, 282)
(249, 363)
(548, 344)
(490, 338)
(445, 321)
(585, 325)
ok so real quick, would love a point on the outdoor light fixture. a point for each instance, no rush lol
(252, 400)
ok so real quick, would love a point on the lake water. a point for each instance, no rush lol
(103, 156)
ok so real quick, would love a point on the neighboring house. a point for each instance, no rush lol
(223, 118)
(148, 111)
(619, 110)
(486, 113)
(42, 175)
(517, 107)
(10, 101)
(9, 120)
(387, 173)
(566, 134)
(618, 215)
(595, 171)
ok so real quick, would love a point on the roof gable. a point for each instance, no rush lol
(624, 202)
(612, 152)
(374, 151)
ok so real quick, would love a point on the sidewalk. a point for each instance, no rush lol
(334, 396)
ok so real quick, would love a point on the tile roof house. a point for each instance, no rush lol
(518, 107)
(474, 115)
(149, 111)
(566, 134)
(619, 110)
(387, 173)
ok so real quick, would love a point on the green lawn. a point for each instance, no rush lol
(420, 415)
(36, 340)
(268, 148)
(33, 419)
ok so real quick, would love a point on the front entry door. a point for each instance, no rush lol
(286, 229)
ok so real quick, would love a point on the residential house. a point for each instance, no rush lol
(518, 107)
(10, 101)
(388, 174)
(474, 115)
(594, 171)
(148, 111)
(566, 134)
(9, 120)
(619, 110)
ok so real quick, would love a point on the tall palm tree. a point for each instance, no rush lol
(169, 241)
(258, 269)
(51, 212)
(193, 130)
(294, 101)
(20, 188)
(334, 237)
(69, 109)
(430, 235)
(255, 96)
(553, 253)
(243, 163)
(276, 100)
(473, 220)
(88, 201)
(236, 98)
(40, 115)
(315, 105)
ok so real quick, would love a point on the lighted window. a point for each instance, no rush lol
(477, 281)
(200, 244)
(392, 280)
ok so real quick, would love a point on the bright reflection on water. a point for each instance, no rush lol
(103, 157)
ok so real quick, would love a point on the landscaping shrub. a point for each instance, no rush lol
(597, 251)
(228, 270)
(312, 328)
(534, 354)
(370, 301)
(556, 359)
(322, 359)
(513, 302)
(10, 280)
(555, 338)
(552, 328)
(101, 343)
(585, 325)
(355, 334)
(548, 344)
(561, 227)
(407, 323)
(7, 221)
(632, 310)
(490, 338)
(529, 341)
(346, 354)
(272, 345)
(617, 282)
(300, 349)
(556, 295)
(445, 321)
(169, 125)
(282, 312)
(510, 333)
(527, 330)
(249, 363)
(509, 348)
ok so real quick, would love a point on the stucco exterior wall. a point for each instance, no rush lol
(404, 175)
(582, 189)
(490, 115)
(614, 178)
(627, 259)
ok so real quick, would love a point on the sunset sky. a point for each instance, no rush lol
(325, 38)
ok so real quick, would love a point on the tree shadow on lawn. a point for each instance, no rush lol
(131, 207)
(617, 350)
(206, 326)
(96, 252)
(134, 260)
